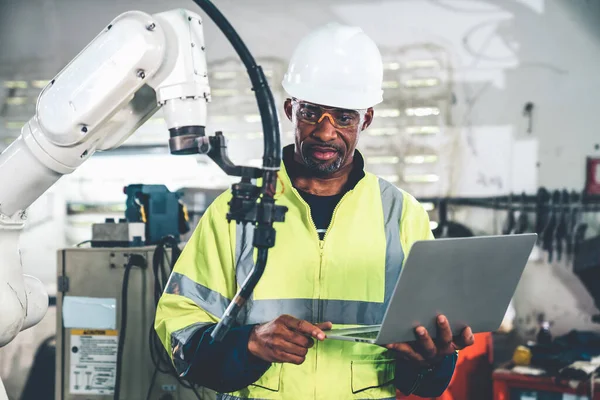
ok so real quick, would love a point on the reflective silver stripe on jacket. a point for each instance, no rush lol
(347, 312)
(337, 311)
(244, 251)
(207, 299)
(392, 201)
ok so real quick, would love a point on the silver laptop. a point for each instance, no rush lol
(469, 280)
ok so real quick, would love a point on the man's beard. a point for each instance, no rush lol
(324, 167)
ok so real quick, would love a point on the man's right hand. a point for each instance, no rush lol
(285, 339)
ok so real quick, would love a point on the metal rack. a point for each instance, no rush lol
(558, 216)
(543, 199)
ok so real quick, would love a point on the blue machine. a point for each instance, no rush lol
(159, 209)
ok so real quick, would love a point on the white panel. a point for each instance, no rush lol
(89, 312)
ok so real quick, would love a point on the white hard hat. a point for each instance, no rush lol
(336, 66)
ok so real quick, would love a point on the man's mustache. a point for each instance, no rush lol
(323, 147)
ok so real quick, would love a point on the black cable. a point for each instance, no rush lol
(158, 354)
(161, 273)
(196, 393)
(152, 381)
(135, 260)
(264, 96)
(266, 210)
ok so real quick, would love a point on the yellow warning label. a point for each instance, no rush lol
(93, 361)
(95, 332)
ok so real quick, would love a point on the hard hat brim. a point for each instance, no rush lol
(339, 98)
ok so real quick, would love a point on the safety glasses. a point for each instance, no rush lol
(313, 114)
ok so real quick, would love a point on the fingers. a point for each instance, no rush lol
(285, 339)
(465, 339)
(285, 346)
(297, 338)
(281, 356)
(444, 332)
(425, 350)
(310, 329)
(426, 344)
(293, 359)
(406, 351)
(304, 327)
(325, 326)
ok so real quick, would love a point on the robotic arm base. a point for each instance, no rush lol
(24, 298)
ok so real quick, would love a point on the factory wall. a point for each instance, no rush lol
(554, 55)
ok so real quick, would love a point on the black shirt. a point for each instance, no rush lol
(322, 207)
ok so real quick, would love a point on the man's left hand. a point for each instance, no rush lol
(427, 351)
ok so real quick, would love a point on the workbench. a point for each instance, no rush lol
(508, 385)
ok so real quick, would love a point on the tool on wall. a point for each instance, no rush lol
(560, 230)
(447, 228)
(548, 231)
(522, 224)
(528, 112)
(510, 222)
(572, 219)
(579, 228)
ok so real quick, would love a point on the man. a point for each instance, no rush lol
(336, 259)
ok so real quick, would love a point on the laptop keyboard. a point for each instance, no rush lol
(365, 335)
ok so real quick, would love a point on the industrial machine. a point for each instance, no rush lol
(152, 212)
(136, 65)
(105, 331)
(159, 209)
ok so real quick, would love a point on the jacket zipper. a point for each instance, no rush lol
(321, 242)
(321, 250)
(319, 278)
(322, 246)
(337, 206)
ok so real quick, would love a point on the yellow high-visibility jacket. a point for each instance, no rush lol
(346, 278)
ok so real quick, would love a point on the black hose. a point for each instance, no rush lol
(161, 272)
(158, 355)
(271, 161)
(135, 260)
(264, 96)
(254, 277)
(152, 381)
(229, 317)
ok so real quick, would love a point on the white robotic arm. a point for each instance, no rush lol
(136, 65)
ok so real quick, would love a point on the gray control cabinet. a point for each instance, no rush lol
(90, 284)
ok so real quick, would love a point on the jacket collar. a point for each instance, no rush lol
(286, 172)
